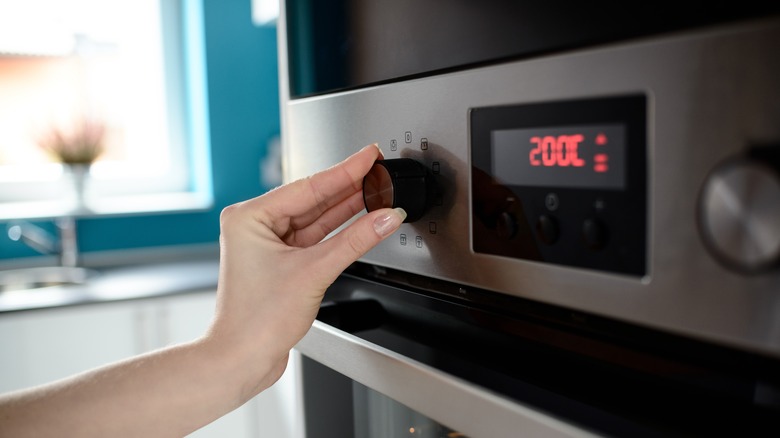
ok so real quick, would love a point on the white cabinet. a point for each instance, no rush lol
(44, 345)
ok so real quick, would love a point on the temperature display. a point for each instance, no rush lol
(589, 156)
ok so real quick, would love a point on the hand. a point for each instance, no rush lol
(274, 270)
(275, 266)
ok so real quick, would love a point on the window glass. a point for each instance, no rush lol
(111, 69)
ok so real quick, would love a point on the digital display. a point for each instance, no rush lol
(587, 156)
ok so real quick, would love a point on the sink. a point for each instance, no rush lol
(57, 286)
(42, 277)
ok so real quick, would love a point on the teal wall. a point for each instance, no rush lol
(241, 71)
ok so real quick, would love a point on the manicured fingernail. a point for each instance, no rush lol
(376, 145)
(389, 222)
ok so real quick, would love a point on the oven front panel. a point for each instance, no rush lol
(705, 97)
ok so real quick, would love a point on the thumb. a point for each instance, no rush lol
(358, 238)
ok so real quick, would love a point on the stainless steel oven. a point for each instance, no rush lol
(596, 240)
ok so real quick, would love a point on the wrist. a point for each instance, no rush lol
(248, 367)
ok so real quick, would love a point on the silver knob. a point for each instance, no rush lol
(739, 215)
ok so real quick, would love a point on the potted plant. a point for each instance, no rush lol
(76, 148)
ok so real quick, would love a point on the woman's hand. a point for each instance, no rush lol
(274, 270)
(275, 266)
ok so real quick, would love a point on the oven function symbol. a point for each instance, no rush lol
(393, 145)
(432, 227)
(408, 136)
(594, 234)
(418, 241)
(403, 239)
(551, 201)
(400, 182)
(547, 229)
(424, 144)
(435, 167)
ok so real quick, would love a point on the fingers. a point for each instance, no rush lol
(330, 220)
(351, 243)
(300, 203)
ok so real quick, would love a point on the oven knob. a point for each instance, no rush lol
(739, 215)
(400, 182)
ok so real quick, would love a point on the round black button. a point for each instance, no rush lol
(400, 182)
(506, 225)
(594, 234)
(547, 229)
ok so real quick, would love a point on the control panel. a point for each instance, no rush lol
(562, 182)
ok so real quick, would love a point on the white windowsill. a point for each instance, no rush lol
(114, 206)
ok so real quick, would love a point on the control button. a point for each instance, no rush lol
(418, 241)
(393, 145)
(403, 239)
(408, 136)
(547, 229)
(432, 227)
(506, 225)
(400, 182)
(424, 144)
(739, 215)
(594, 234)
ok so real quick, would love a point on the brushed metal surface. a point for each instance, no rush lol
(711, 94)
(448, 400)
(740, 215)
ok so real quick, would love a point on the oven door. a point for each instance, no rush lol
(394, 355)
(354, 388)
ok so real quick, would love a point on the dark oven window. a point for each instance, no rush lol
(342, 44)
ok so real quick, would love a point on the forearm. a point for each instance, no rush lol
(170, 392)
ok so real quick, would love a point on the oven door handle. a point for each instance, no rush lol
(442, 397)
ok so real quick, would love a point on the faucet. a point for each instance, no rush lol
(35, 237)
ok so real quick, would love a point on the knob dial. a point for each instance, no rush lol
(739, 215)
(399, 182)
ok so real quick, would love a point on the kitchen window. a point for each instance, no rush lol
(132, 72)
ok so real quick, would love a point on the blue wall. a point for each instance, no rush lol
(241, 70)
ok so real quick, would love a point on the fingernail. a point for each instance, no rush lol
(376, 145)
(389, 222)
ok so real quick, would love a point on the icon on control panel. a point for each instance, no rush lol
(393, 145)
(551, 201)
(424, 144)
(408, 136)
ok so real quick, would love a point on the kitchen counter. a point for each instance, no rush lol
(119, 283)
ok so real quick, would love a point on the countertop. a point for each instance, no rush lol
(119, 283)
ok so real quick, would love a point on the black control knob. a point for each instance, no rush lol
(400, 182)
(594, 234)
(739, 215)
(547, 229)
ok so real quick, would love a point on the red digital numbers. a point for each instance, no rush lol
(559, 151)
